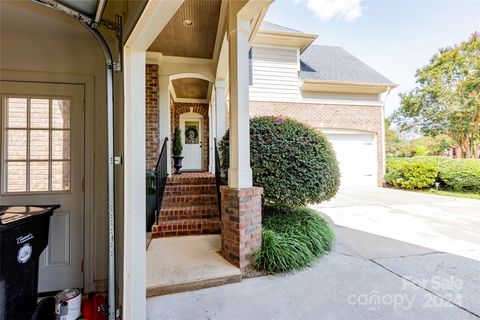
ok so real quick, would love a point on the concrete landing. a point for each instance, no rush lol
(187, 263)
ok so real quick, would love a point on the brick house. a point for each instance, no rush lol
(96, 107)
(326, 88)
(322, 86)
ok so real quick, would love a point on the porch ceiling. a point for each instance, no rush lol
(196, 40)
(190, 88)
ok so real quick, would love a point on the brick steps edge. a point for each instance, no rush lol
(190, 180)
(173, 200)
(184, 227)
(187, 189)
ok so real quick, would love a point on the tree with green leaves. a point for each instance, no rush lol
(392, 139)
(446, 99)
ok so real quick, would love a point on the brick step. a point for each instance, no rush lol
(179, 212)
(187, 179)
(185, 189)
(174, 200)
(184, 227)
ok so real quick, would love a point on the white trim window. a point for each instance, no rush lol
(37, 144)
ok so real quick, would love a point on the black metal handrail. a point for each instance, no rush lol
(218, 179)
(161, 172)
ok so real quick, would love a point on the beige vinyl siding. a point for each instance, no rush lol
(274, 73)
(274, 77)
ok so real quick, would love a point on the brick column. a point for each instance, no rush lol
(151, 115)
(241, 224)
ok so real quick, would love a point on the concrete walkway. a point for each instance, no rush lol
(437, 222)
(354, 282)
(367, 276)
(187, 263)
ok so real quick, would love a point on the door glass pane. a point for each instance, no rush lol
(39, 176)
(60, 114)
(60, 175)
(16, 176)
(60, 145)
(39, 144)
(16, 113)
(39, 115)
(17, 145)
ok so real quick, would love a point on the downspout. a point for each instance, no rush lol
(110, 67)
(384, 138)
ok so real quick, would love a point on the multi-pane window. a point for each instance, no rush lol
(37, 144)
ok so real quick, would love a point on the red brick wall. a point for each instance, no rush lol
(151, 115)
(176, 109)
(241, 224)
(318, 116)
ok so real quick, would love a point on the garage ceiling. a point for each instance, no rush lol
(190, 88)
(195, 40)
(28, 17)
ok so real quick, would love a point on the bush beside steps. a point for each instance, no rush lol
(292, 239)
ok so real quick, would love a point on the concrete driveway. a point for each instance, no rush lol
(367, 276)
(437, 222)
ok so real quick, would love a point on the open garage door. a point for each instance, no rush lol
(357, 157)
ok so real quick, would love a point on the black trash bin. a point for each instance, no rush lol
(23, 237)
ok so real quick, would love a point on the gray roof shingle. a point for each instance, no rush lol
(268, 26)
(327, 63)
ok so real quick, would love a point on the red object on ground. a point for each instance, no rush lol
(93, 308)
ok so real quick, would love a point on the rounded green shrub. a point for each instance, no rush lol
(460, 174)
(411, 173)
(293, 163)
(291, 239)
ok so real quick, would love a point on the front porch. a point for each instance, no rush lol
(187, 263)
(198, 82)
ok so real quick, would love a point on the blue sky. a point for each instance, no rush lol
(393, 37)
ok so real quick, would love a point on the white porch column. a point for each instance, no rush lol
(220, 109)
(164, 116)
(239, 173)
(134, 253)
(211, 136)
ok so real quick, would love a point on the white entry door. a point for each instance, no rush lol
(191, 126)
(43, 163)
(357, 157)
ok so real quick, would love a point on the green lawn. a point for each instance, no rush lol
(453, 193)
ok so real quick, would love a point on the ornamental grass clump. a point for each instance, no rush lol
(292, 239)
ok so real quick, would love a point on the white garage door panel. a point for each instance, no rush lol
(357, 158)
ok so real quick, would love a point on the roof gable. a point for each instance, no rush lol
(272, 27)
(328, 63)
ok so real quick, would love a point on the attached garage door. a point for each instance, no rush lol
(356, 155)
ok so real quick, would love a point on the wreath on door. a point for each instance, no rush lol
(191, 134)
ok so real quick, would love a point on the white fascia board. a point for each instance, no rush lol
(298, 40)
(345, 87)
(255, 25)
